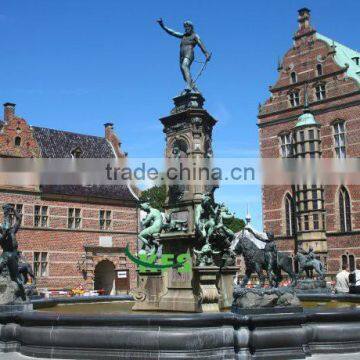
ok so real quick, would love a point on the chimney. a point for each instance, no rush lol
(108, 130)
(304, 18)
(9, 111)
(113, 139)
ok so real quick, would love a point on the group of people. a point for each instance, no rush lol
(348, 282)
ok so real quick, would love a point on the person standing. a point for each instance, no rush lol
(354, 280)
(342, 280)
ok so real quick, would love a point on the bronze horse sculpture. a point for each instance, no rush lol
(309, 265)
(257, 260)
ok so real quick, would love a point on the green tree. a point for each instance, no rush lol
(155, 196)
(235, 224)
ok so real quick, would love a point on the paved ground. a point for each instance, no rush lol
(353, 356)
(16, 356)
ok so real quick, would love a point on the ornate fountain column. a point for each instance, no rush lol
(188, 132)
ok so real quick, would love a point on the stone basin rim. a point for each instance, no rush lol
(35, 318)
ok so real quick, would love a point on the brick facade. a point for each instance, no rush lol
(314, 63)
(72, 254)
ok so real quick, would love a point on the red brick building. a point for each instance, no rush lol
(73, 235)
(325, 217)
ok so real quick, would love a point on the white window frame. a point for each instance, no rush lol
(320, 92)
(294, 98)
(286, 145)
(339, 131)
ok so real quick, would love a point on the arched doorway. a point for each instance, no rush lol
(104, 276)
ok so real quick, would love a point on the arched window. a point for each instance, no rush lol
(289, 215)
(344, 210)
(351, 262)
(319, 69)
(348, 260)
(293, 77)
(17, 141)
(344, 261)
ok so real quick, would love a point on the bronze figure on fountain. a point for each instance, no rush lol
(14, 272)
(189, 40)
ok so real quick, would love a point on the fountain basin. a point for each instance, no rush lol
(178, 336)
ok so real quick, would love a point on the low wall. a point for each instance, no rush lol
(191, 336)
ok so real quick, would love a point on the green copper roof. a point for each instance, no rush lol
(343, 56)
(306, 119)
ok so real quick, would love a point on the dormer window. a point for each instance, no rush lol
(319, 69)
(294, 98)
(356, 60)
(17, 141)
(293, 77)
(76, 153)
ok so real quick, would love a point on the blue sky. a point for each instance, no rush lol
(76, 64)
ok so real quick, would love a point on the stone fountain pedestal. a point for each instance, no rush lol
(312, 286)
(226, 286)
(182, 291)
(207, 278)
(9, 299)
(265, 300)
(147, 294)
(216, 286)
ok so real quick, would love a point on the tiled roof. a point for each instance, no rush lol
(59, 144)
(116, 192)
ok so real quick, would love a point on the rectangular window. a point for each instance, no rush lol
(74, 218)
(316, 221)
(306, 222)
(305, 201)
(105, 219)
(302, 146)
(311, 134)
(320, 92)
(339, 137)
(40, 264)
(294, 99)
(19, 210)
(315, 199)
(299, 224)
(40, 216)
(286, 145)
(302, 136)
(312, 146)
